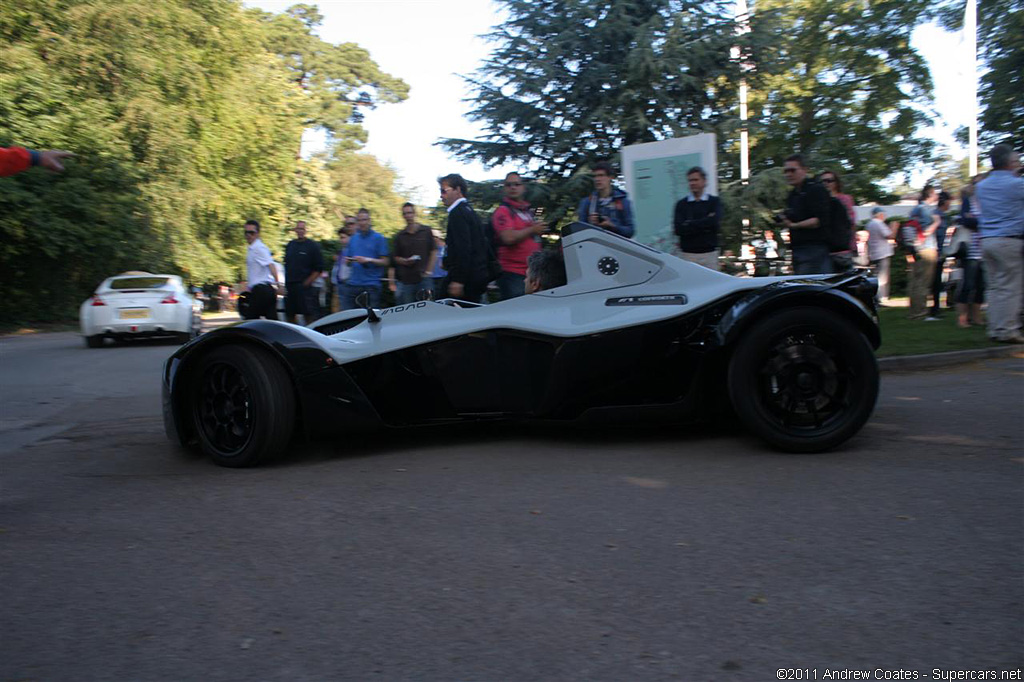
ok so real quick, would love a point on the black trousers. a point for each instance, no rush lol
(471, 291)
(262, 303)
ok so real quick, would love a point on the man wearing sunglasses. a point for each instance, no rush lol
(807, 219)
(261, 280)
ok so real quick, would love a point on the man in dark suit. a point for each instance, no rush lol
(466, 259)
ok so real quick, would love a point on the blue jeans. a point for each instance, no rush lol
(349, 292)
(811, 259)
(408, 293)
(511, 285)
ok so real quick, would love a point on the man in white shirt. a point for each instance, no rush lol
(261, 282)
(880, 251)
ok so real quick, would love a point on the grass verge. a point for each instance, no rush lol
(901, 336)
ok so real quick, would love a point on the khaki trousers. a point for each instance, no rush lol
(708, 260)
(921, 280)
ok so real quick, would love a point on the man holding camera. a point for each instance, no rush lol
(517, 230)
(807, 218)
(607, 206)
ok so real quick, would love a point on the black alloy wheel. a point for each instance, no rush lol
(243, 405)
(804, 379)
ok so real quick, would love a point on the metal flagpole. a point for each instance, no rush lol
(743, 26)
(971, 33)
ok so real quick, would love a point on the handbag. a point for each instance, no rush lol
(958, 243)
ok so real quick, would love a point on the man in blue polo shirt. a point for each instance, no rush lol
(367, 254)
(999, 205)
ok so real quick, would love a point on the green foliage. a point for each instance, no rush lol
(571, 81)
(951, 175)
(337, 81)
(184, 125)
(842, 86)
(361, 181)
(1001, 50)
(757, 201)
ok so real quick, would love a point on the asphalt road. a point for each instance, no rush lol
(504, 553)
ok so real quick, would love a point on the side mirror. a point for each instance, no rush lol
(363, 301)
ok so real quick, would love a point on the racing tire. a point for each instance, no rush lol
(242, 406)
(94, 341)
(803, 379)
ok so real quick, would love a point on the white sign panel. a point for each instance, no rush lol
(655, 174)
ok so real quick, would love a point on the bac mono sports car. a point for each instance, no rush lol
(634, 335)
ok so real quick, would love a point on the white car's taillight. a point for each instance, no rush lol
(96, 300)
(170, 299)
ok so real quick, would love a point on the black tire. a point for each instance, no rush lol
(803, 379)
(94, 341)
(242, 406)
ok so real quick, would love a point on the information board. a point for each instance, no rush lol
(655, 174)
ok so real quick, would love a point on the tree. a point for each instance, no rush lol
(337, 81)
(842, 86)
(178, 128)
(951, 175)
(572, 81)
(1001, 48)
(183, 126)
(361, 181)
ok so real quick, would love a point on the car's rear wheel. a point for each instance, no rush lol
(804, 379)
(193, 332)
(243, 406)
(94, 341)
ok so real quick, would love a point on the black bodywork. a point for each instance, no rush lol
(673, 369)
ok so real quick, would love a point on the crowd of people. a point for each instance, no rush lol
(419, 262)
(986, 242)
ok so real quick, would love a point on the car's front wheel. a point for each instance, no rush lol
(804, 379)
(242, 405)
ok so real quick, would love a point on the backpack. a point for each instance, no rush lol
(840, 231)
(491, 247)
(901, 238)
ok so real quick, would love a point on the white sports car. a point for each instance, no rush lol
(633, 336)
(139, 305)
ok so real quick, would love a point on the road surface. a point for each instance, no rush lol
(504, 553)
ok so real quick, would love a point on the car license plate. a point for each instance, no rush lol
(133, 313)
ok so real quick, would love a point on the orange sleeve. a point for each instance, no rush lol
(14, 160)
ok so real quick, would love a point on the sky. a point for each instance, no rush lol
(430, 44)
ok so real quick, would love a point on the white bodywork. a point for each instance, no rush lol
(120, 308)
(601, 267)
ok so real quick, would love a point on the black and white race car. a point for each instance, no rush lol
(635, 335)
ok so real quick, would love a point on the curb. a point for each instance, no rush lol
(913, 363)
